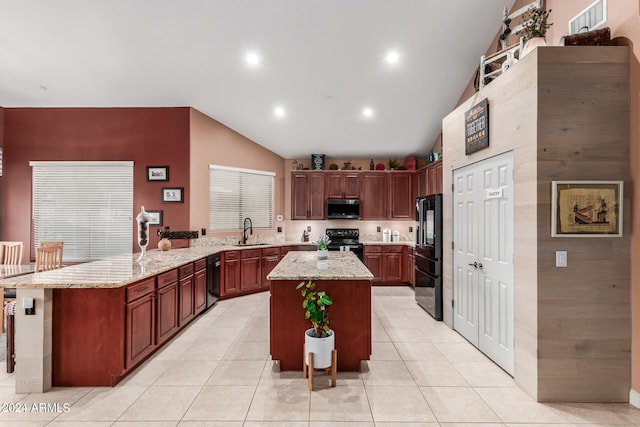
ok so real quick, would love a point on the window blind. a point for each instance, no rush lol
(236, 194)
(87, 205)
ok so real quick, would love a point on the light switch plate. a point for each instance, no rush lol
(561, 258)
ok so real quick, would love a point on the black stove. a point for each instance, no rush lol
(345, 239)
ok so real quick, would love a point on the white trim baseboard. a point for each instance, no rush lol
(634, 398)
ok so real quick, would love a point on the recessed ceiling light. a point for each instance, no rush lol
(392, 57)
(252, 59)
(367, 112)
(279, 111)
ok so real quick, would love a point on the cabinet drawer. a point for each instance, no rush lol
(270, 251)
(250, 253)
(200, 264)
(141, 289)
(394, 249)
(231, 255)
(185, 270)
(368, 249)
(167, 278)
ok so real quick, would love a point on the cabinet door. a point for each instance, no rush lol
(438, 178)
(351, 185)
(270, 258)
(230, 273)
(250, 277)
(167, 306)
(140, 329)
(431, 180)
(421, 187)
(411, 267)
(299, 195)
(372, 259)
(200, 298)
(334, 185)
(372, 205)
(401, 204)
(316, 195)
(394, 271)
(186, 299)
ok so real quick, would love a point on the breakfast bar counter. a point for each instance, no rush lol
(347, 281)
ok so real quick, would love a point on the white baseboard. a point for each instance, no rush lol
(634, 398)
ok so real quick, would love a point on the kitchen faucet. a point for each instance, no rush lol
(244, 232)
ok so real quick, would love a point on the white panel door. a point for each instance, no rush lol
(483, 257)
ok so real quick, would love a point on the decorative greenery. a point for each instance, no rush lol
(534, 23)
(322, 242)
(393, 164)
(315, 307)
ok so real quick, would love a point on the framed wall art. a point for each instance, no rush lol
(157, 173)
(586, 208)
(172, 194)
(156, 217)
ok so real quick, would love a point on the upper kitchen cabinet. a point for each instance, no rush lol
(307, 195)
(429, 179)
(342, 185)
(373, 195)
(401, 198)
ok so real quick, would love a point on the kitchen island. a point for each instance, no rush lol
(347, 281)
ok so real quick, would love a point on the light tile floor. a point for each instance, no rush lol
(218, 373)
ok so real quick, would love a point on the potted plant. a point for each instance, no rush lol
(322, 242)
(319, 339)
(534, 28)
(393, 164)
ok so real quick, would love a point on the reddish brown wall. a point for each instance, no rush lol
(146, 136)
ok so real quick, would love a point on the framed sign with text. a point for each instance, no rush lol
(476, 132)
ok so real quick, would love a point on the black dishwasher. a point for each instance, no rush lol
(213, 279)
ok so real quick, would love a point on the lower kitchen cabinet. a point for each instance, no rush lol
(140, 323)
(250, 277)
(200, 284)
(230, 276)
(386, 263)
(411, 266)
(187, 292)
(270, 258)
(167, 305)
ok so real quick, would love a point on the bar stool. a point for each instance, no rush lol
(48, 258)
(10, 254)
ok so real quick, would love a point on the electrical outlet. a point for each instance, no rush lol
(279, 229)
(203, 232)
(378, 229)
(410, 229)
(308, 228)
(561, 258)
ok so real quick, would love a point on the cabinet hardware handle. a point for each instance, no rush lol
(143, 289)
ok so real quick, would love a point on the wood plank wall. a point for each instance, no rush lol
(572, 325)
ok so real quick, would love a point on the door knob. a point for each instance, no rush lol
(479, 265)
(474, 265)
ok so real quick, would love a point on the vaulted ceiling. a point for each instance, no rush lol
(323, 63)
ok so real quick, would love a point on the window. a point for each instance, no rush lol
(236, 194)
(87, 205)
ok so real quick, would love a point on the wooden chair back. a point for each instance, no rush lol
(48, 258)
(56, 244)
(11, 253)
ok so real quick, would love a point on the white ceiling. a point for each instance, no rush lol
(322, 60)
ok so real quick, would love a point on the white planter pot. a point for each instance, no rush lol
(320, 347)
(323, 254)
(531, 44)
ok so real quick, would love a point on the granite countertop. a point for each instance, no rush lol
(305, 265)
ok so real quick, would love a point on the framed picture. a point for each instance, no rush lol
(586, 208)
(157, 173)
(156, 217)
(172, 194)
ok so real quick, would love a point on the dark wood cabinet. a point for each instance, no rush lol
(373, 196)
(401, 199)
(186, 289)
(270, 258)
(167, 305)
(411, 266)
(372, 259)
(200, 285)
(250, 277)
(430, 179)
(386, 263)
(342, 185)
(140, 325)
(230, 276)
(307, 195)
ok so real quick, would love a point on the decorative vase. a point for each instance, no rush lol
(164, 244)
(531, 44)
(320, 347)
(323, 254)
(143, 219)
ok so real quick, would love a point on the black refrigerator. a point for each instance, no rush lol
(428, 254)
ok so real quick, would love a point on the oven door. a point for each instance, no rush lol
(429, 293)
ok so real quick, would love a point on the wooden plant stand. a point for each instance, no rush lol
(308, 370)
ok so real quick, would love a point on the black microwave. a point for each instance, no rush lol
(343, 209)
